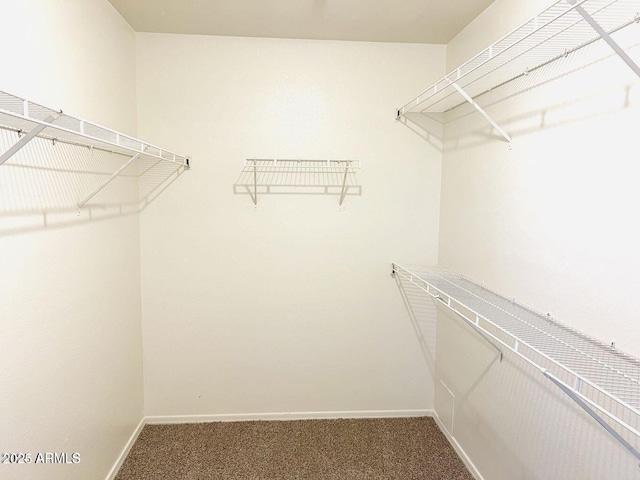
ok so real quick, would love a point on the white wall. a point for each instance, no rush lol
(552, 223)
(289, 308)
(70, 347)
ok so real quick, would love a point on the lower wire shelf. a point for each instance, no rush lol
(600, 379)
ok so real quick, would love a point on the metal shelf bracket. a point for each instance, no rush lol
(344, 185)
(27, 138)
(576, 398)
(606, 37)
(255, 183)
(111, 178)
(482, 112)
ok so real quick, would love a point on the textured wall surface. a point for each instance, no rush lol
(290, 307)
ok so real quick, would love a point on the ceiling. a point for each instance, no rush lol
(411, 21)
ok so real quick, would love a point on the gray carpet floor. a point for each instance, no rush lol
(397, 448)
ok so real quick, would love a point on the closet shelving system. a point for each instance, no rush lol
(320, 172)
(600, 379)
(563, 28)
(32, 120)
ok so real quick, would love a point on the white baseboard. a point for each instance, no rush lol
(125, 451)
(459, 450)
(244, 417)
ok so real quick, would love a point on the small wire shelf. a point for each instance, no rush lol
(555, 33)
(602, 380)
(260, 176)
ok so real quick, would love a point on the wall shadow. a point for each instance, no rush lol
(422, 313)
(428, 126)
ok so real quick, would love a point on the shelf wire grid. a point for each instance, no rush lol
(319, 165)
(606, 378)
(46, 178)
(553, 34)
(298, 173)
(22, 115)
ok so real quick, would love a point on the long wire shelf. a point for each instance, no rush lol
(32, 119)
(564, 27)
(600, 379)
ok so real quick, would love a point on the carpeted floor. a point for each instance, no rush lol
(372, 449)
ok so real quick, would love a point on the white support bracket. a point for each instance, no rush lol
(344, 185)
(27, 138)
(606, 37)
(576, 398)
(255, 183)
(113, 176)
(468, 98)
(152, 167)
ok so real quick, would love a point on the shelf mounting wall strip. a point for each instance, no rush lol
(468, 98)
(602, 381)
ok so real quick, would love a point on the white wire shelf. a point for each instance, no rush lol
(561, 29)
(270, 164)
(32, 120)
(25, 116)
(269, 174)
(602, 380)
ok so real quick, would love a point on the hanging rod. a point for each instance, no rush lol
(55, 139)
(593, 374)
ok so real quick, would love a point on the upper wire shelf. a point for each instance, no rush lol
(561, 29)
(26, 117)
(602, 380)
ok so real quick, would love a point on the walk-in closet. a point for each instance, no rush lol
(319, 239)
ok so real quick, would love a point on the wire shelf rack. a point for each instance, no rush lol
(602, 380)
(261, 175)
(564, 27)
(31, 120)
(24, 116)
